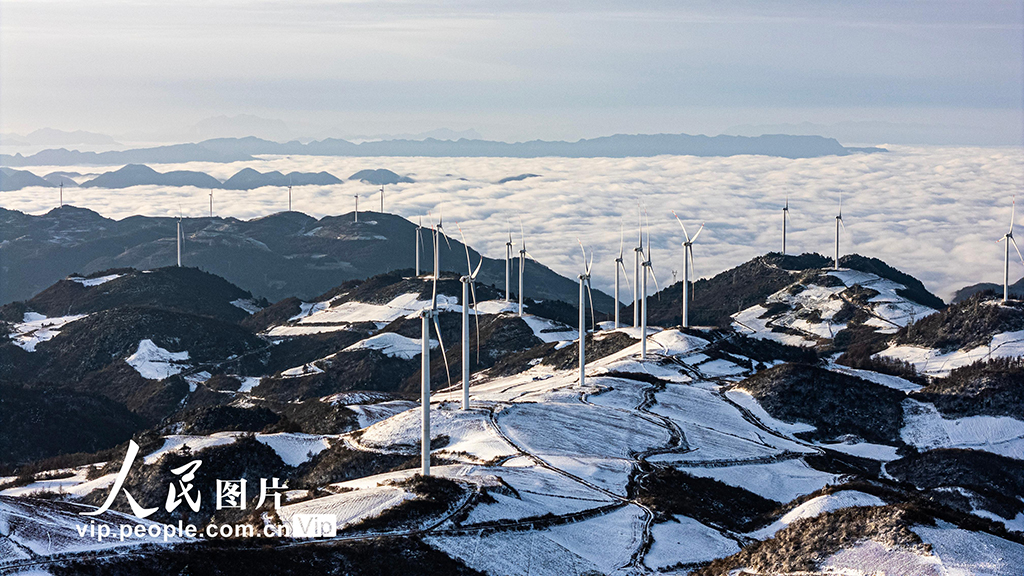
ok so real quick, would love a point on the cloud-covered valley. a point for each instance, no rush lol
(933, 212)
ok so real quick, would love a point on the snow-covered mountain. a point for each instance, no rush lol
(794, 433)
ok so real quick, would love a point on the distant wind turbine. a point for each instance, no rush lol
(1008, 239)
(839, 222)
(785, 216)
(211, 202)
(418, 242)
(508, 264)
(638, 253)
(585, 283)
(522, 263)
(62, 192)
(356, 196)
(620, 264)
(647, 268)
(687, 266)
(381, 198)
(289, 197)
(468, 288)
(178, 237)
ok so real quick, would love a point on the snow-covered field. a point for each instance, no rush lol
(926, 429)
(932, 362)
(36, 328)
(889, 311)
(555, 460)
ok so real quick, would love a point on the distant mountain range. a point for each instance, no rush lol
(18, 179)
(275, 257)
(141, 175)
(54, 137)
(618, 146)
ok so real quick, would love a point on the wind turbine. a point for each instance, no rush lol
(426, 317)
(584, 281)
(419, 240)
(647, 268)
(839, 222)
(1008, 239)
(382, 198)
(62, 192)
(522, 264)
(468, 287)
(211, 202)
(785, 216)
(508, 264)
(620, 264)
(289, 197)
(356, 196)
(638, 254)
(178, 236)
(687, 267)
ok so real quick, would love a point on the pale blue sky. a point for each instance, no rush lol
(510, 70)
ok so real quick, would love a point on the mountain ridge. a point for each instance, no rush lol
(615, 146)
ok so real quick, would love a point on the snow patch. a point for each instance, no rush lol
(37, 328)
(155, 363)
(95, 281)
(392, 344)
(925, 428)
(247, 304)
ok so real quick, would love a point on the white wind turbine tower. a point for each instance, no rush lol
(785, 216)
(418, 242)
(211, 202)
(508, 265)
(289, 197)
(638, 258)
(839, 222)
(177, 237)
(428, 316)
(356, 196)
(584, 282)
(522, 263)
(647, 268)
(1008, 239)
(468, 288)
(381, 198)
(620, 264)
(687, 268)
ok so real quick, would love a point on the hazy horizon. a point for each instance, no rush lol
(909, 72)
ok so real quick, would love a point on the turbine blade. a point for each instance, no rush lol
(698, 233)
(681, 225)
(625, 274)
(653, 275)
(622, 237)
(444, 355)
(477, 269)
(578, 241)
(593, 320)
(1013, 212)
(472, 291)
(1017, 249)
(590, 264)
(469, 265)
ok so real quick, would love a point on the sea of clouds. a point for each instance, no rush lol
(934, 212)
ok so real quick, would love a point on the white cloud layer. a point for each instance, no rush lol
(932, 212)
